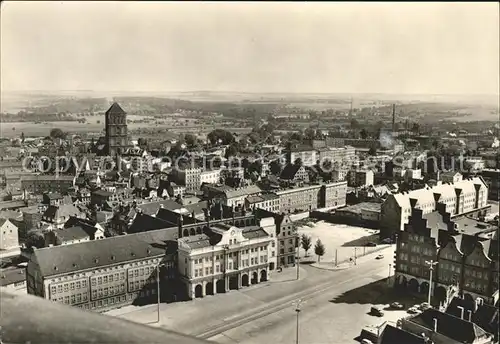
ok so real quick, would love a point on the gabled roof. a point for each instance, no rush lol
(290, 171)
(71, 233)
(248, 190)
(455, 328)
(144, 223)
(98, 253)
(64, 210)
(115, 109)
(394, 335)
(252, 232)
(197, 241)
(10, 276)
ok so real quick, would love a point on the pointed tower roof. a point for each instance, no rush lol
(115, 109)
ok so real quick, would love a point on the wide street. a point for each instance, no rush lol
(265, 312)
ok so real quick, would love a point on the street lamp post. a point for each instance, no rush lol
(297, 311)
(298, 256)
(158, 289)
(389, 277)
(431, 264)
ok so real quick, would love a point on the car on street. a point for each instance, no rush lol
(371, 244)
(424, 306)
(396, 305)
(413, 310)
(376, 311)
(366, 341)
(380, 256)
(387, 241)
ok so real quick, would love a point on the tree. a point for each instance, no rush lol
(275, 167)
(373, 150)
(354, 124)
(319, 249)
(22, 137)
(57, 133)
(190, 139)
(224, 136)
(363, 133)
(35, 239)
(305, 241)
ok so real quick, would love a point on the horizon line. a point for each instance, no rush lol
(251, 92)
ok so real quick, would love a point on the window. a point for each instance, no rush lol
(99, 280)
(84, 284)
(66, 287)
(53, 289)
(105, 279)
(72, 285)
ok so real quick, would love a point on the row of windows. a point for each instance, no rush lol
(71, 300)
(416, 237)
(99, 280)
(138, 285)
(108, 291)
(65, 287)
(477, 274)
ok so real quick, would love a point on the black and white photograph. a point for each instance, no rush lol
(256, 172)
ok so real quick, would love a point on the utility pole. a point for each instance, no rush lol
(336, 261)
(431, 264)
(355, 251)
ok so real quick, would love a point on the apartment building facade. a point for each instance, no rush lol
(466, 196)
(240, 258)
(38, 184)
(105, 274)
(465, 250)
(311, 197)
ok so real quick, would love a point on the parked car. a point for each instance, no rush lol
(371, 244)
(366, 341)
(376, 311)
(387, 241)
(380, 256)
(424, 306)
(413, 310)
(396, 305)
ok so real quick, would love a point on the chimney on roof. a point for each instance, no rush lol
(470, 315)
(435, 325)
(461, 311)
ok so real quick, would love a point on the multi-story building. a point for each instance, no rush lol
(463, 197)
(359, 178)
(116, 130)
(333, 195)
(492, 179)
(266, 201)
(295, 173)
(9, 237)
(226, 258)
(310, 197)
(38, 184)
(466, 252)
(210, 176)
(229, 196)
(339, 155)
(306, 154)
(189, 177)
(105, 274)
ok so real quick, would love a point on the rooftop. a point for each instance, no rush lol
(99, 253)
(12, 275)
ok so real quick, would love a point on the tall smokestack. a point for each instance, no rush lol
(393, 117)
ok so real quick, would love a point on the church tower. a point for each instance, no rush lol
(116, 130)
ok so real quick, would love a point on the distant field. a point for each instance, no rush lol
(43, 129)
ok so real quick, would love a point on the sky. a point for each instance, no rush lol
(308, 47)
